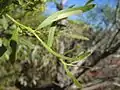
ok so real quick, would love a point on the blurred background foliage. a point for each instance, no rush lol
(30, 13)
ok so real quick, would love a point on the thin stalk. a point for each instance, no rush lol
(42, 42)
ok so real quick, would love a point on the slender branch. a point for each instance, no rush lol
(43, 43)
(96, 86)
(113, 38)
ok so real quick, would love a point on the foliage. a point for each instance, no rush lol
(19, 31)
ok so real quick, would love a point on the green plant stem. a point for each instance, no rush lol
(42, 42)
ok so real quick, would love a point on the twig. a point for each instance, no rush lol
(116, 84)
(103, 84)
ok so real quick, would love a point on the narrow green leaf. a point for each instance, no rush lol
(75, 36)
(76, 82)
(71, 6)
(71, 50)
(89, 2)
(51, 36)
(82, 56)
(63, 14)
